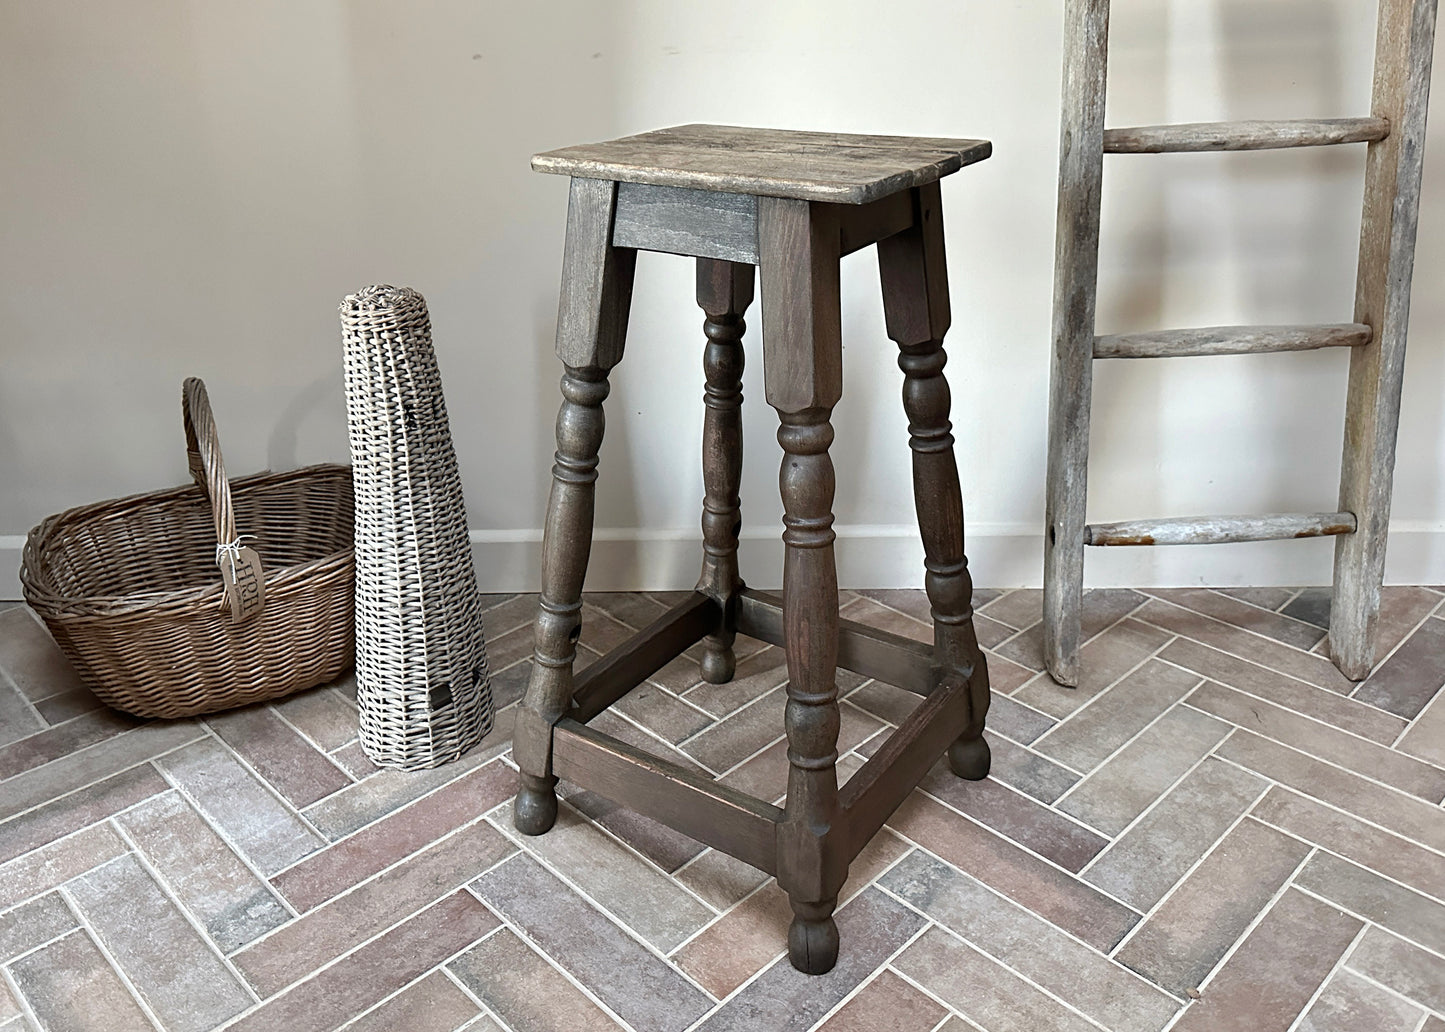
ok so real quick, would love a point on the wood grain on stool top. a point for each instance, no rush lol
(843, 168)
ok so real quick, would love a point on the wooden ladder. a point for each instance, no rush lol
(1395, 135)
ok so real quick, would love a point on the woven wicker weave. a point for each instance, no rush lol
(131, 592)
(421, 664)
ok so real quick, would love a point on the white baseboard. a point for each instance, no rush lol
(1001, 555)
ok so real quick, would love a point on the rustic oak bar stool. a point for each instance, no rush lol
(791, 203)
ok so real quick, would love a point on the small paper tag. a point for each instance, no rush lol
(245, 583)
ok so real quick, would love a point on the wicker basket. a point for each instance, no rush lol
(421, 661)
(132, 592)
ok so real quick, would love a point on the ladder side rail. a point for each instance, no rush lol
(1076, 271)
(1393, 170)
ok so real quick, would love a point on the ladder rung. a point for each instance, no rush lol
(1236, 136)
(1213, 530)
(1230, 340)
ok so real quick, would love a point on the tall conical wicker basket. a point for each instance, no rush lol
(421, 665)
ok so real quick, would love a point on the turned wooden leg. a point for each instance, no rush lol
(591, 326)
(915, 300)
(724, 291)
(802, 355)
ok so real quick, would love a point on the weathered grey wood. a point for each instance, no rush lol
(700, 808)
(841, 168)
(1393, 173)
(700, 223)
(724, 291)
(591, 328)
(880, 655)
(875, 791)
(1238, 136)
(642, 655)
(1230, 340)
(1071, 376)
(1212, 530)
(596, 281)
(914, 276)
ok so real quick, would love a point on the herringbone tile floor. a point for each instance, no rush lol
(1214, 832)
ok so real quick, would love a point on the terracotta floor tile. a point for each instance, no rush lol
(1145, 862)
(288, 762)
(1321, 740)
(1275, 972)
(525, 991)
(1020, 608)
(331, 871)
(720, 880)
(53, 743)
(750, 936)
(1312, 605)
(633, 982)
(1049, 892)
(1182, 941)
(632, 608)
(72, 812)
(59, 708)
(1426, 737)
(1404, 814)
(344, 812)
(666, 848)
(1283, 628)
(730, 741)
(323, 716)
(375, 971)
(1094, 732)
(1349, 1003)
(185, 984)
(644, 899)
(1409, 679)
(1103, 661)
(1285, 691)
(887, 1002)
(1126, 784)
(241, 806)
(1350, 837)
(1265, 651)
(870, 929)
(983, 990)
(88, 766)
(757, 675)
(54, 864)
(290, 953)
(1027, 771)
(1273, 599)
(1016, 817)
(431, 1004)
(1406, 913)
(225, 897)
(30, 658)
(28, 925)
(1401, 966)
(1113, 996)
(663, 713)
(70, 986)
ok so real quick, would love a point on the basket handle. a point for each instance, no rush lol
(208, 470)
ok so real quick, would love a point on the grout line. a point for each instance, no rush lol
(86, 930)
(1329, 763)
(1159, 799)
(1019, 975)
(1371, 980)
(104, 777)
(1391, 654)
(1128, 742)
(1369, 921)
(45, 725)
(1198, 862)
(448, 973)
(587, 898)
(331, 843)
(1325, 982)
(868, 978)
(317, 748)
(266, 785)
(221, 834)
(169, 893)
(75, 927)
(1061, 721)
(7, 981)
(547, 958)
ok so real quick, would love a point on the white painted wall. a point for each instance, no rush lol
(190, 188)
